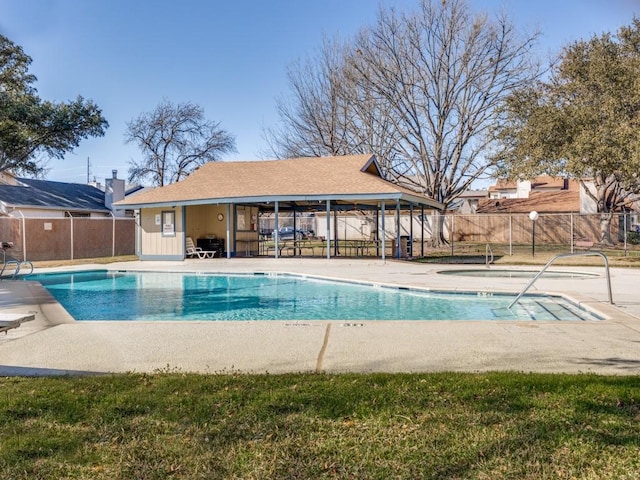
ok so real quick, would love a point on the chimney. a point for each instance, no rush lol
(114, 191)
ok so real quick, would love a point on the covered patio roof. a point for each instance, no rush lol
(353, 181)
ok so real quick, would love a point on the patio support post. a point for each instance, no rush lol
(336, 250)
(328, 236)
(398, 249)
(275, 229)
(234, 237)
(384, 233)
(295, 230)
(422, 231)
(228, 230)
(377, 237)
(411, 230)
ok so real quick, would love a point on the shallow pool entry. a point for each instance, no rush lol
(105, 295)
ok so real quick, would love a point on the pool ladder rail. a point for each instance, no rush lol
(563, 255)
(488, 255)
(18, 263)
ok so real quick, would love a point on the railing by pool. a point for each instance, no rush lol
(563, 255)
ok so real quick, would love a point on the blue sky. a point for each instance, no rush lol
(230, 57)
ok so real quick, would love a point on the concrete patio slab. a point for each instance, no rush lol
(55, 344)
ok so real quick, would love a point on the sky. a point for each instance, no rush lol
(229, 57)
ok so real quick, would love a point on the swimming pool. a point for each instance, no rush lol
(108, 295)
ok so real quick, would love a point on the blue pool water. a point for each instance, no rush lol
(104, 295)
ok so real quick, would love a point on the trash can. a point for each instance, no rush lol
(405, 244)
(409, 246)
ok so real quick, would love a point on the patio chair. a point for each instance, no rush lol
(193, 251)
(14, 320)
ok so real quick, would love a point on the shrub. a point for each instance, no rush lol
(633, 238)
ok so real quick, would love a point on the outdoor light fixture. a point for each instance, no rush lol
(533, 216)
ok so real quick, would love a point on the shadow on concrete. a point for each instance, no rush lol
(616, 362)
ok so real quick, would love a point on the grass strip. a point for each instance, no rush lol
(375, 426)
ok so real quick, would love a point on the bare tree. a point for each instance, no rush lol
(314, 117)
(443, 72)
(327, 113)
(421, 91)
(175, 140)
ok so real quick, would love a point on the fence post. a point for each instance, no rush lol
(24, 238)
(113, 236)
(452, 231)
(510, 235)
(71, 223)
(624, 234)
(571, 231)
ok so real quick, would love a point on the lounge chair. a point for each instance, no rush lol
(193, 251)
(14, 320)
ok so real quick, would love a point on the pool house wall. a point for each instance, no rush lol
(231, 230)
(234, 230)
(161, 234)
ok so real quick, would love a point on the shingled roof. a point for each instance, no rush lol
(354, 178)
(44, 194)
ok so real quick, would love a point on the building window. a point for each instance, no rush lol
(77, 214)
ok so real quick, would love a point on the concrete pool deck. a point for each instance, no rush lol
(54, 344)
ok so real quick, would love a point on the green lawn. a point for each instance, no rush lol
(382, 426)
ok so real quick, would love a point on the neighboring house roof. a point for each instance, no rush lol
(133, 189)
(563, 201)
(44, 194)
(538, 183)
(474, 194)
(467, 201)
(354, 178)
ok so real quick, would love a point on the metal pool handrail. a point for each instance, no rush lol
(17, 263)
(487, 251)
(562, 255)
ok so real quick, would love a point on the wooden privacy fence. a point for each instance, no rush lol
(552, 228)
(517, 228)
(38, 239)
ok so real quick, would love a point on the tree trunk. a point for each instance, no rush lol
(605, 228)
(438, 239)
